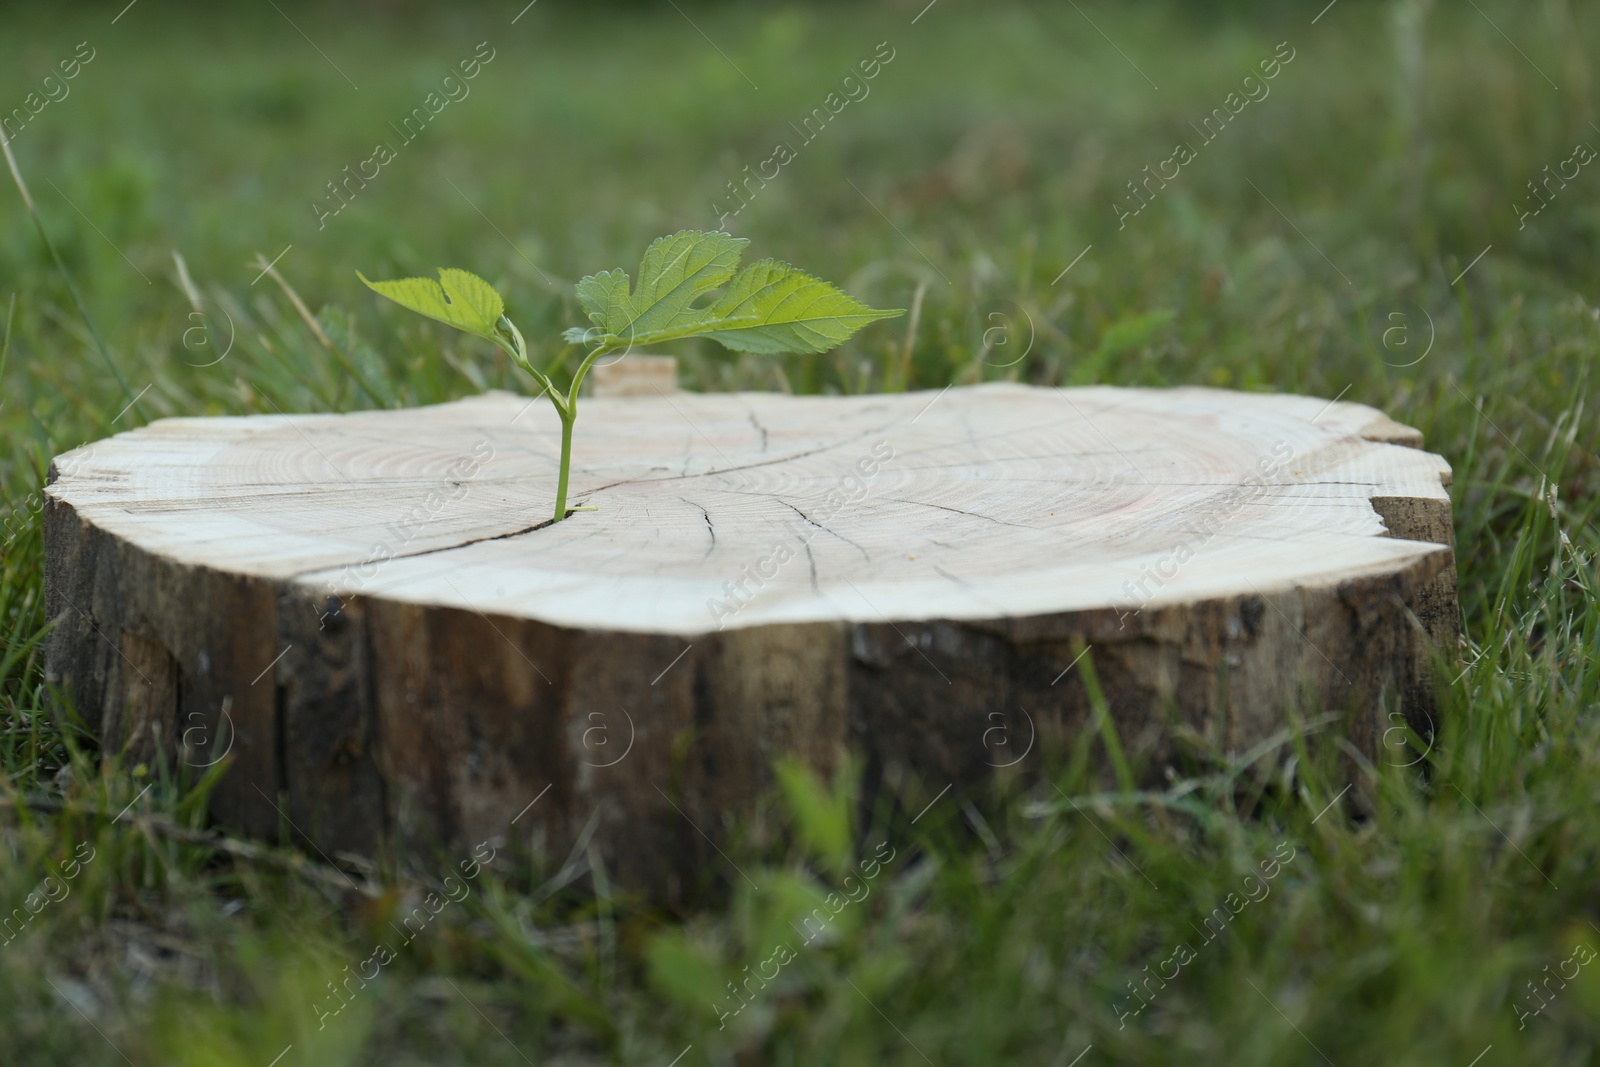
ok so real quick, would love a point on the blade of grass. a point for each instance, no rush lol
(66, 276)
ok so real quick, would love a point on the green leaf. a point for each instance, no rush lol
(821, 816)
(677, 271)
(787, 310)
(458, 299)
(769, 307)
(470, 294)
(604, 298)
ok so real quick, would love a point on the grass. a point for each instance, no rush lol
(1413, 929)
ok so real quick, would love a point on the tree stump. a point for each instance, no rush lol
(372, 616)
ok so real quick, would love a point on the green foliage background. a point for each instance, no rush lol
(988, 156)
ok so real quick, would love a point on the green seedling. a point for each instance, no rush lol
(767, 308)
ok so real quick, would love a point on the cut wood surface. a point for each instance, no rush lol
(372, 615)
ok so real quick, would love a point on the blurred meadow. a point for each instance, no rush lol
(1381, 225)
